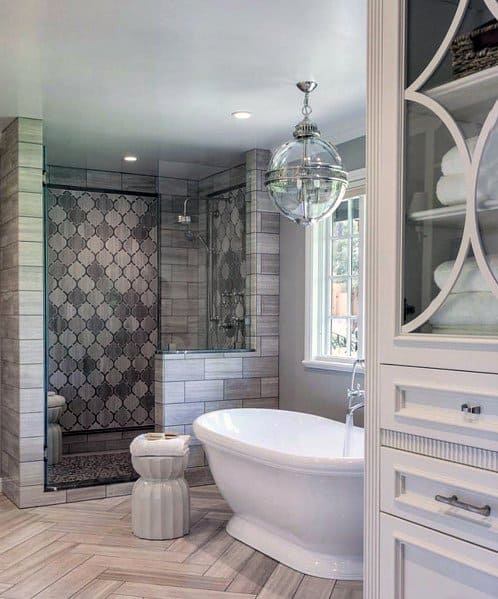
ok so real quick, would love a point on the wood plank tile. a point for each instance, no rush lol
(73, 581)
(90, 528)
(208, 553)
(32, 545)
(348, 589)
(148, 566)
(254, 575)
(4, 587)
(22, 534)
(318, 588)
(282, 584)
(25, 568)
(231, 562)
(98, 589)
(222, 516)
(163, 578)
(45, 576)
(151, 591)
(209, 504)
(115, 541)
(132, 553)
(206, 491)
(87, 551)
(199, 534)
(62, 514)
(195, 516)
(99, 505)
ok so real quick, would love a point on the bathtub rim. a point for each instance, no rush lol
(352, 466)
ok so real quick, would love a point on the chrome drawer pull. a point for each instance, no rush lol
(470, 409)
(453, 501)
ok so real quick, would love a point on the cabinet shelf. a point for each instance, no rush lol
(463, 97)
(454, 216)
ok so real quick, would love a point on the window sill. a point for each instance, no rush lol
(331, 365)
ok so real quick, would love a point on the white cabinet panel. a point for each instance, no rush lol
(418, 563)
(428, 402)
(416, 488)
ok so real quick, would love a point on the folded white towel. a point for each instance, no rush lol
(451, 163)
(470, 278)
(469, 309)
(177, 446)
(55, 401)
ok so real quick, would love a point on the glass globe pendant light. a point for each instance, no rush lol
(305, 177)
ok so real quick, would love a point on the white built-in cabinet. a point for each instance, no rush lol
(431, 489)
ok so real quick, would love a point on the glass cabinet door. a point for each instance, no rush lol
(450, 162)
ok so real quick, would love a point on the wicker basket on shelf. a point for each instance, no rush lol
(475, 51)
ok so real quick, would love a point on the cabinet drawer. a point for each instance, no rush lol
(418, 563)
(410, 484)
(427, 402)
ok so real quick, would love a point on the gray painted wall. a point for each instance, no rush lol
(303, 389)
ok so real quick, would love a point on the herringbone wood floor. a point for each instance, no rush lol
(86, 551)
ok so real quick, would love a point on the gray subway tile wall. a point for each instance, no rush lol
(22, 414)
(228, 380)
(222, 381)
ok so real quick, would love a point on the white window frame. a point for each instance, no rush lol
(312, 357)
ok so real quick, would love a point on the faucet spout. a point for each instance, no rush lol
(357, 406)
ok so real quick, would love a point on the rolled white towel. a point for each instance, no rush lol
(451, 163)
(451, 190)
(478, 309)
(176, 446)
(470, 278)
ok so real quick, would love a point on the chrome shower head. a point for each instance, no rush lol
(184, 219)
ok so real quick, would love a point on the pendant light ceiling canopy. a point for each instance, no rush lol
(305, 177)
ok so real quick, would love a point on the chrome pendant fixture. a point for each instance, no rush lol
(305, 177)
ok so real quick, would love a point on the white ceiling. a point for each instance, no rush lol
(159, 78)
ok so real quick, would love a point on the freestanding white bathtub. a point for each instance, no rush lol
(293, 495)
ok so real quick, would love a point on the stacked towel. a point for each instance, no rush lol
(471, 307)
(468, 310)
(470, 279)
(451, 188)
(451, 164)
(177, 446)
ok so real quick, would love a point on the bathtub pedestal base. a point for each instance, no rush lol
(292, 555)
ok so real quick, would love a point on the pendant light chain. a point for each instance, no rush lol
(306, 110)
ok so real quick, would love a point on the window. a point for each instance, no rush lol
(334, 300)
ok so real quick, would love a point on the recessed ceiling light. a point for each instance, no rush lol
(241, 114)
(130, 158)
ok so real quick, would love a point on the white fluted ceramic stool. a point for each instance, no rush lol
(55, 405)
(160, 503)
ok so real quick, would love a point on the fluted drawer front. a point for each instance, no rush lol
(454, 406)
(452, 498)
